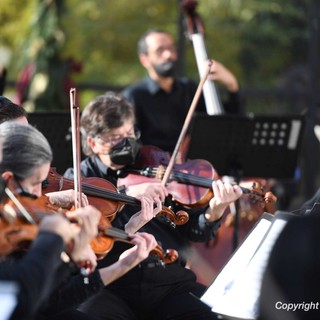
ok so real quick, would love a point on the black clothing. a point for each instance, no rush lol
(308, 205)
(48, 286)
(146, 292)
(36, 273)
(160, 115)
(292, 274)
(70, 293)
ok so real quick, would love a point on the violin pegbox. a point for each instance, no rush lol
(258, 195)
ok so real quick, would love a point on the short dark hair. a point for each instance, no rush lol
(10, 111)
(142, 44)
(105, 112)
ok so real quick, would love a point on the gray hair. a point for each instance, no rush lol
(24, 148)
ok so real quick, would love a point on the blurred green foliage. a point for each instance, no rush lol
(260, 40)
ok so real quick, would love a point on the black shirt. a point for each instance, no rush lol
(161, 115)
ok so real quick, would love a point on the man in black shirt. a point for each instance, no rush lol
(162, 100)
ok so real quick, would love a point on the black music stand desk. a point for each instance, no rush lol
(248, 146)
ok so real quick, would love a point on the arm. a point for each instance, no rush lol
(149, 193)
(223, 195)
(65, 198)
(234, 103)
(144, 243)
(78, 288)
(37, 267)
(204, 223)
(218, 72)
(139, 219)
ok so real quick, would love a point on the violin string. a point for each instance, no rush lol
(117, 233)
(110, 195)
(201, 181)
(188, 178)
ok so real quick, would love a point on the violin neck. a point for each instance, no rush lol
(178, 176)
(116, 233)
(110, 195)
(191, 179)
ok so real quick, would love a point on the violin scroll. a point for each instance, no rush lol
(257, 194)
(166, 257)
(178, 218)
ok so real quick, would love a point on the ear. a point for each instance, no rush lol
(144, 60)
(7, 175)
(92, 144)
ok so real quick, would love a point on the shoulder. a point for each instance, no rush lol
(186, 82)
(140, 86)
(88, 167)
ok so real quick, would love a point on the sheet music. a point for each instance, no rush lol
(235, 291)
(8, 299)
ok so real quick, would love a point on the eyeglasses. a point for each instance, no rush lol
(116, 138)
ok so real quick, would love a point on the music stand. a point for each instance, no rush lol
(248, 146)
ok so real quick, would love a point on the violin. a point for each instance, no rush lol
(21, 215)
(189, 183)
(104, 241)
(19, 220)
(182, 184)
(98, 190)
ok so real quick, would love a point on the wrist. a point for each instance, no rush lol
(212, 215)
(233, 86)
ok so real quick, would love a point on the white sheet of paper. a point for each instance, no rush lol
(8, 299)
(235, 291)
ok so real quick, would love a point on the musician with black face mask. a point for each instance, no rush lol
(162, 99)
(149, 291)
(110, 141)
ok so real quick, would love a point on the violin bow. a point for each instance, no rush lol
(186, 124)
(75, 132)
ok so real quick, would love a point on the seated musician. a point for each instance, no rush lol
(48, 284)
(148, 291)
(9, 111)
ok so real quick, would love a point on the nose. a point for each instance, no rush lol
(169, 54)
(37, 190)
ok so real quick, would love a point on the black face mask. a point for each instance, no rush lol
(125, 152)
(166, 69)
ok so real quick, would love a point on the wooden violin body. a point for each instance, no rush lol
(190, 183)
(19, 225)
(184, 183)
(104, 241)
(103, 195)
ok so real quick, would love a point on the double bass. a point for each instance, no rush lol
(238, 222)
(195, 30)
